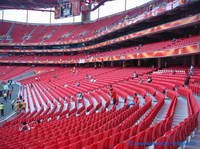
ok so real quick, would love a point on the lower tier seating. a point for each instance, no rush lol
(58, 119)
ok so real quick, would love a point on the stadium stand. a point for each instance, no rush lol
(158, 46)
(79, 32)
(49, 101)
(8, 72)
(107, 97)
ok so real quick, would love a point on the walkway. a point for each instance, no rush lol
(8, 108)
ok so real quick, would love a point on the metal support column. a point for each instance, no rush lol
(98, 13)
(139, 62)
(125, 7)
(50, 17)
(2, 15)
(27, 16)
(193, 60)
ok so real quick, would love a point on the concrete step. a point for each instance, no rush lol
(181, 111)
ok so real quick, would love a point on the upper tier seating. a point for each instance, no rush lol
(4, 28)
(55, 33)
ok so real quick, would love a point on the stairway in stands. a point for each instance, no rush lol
(181, 111)
(162, 113)
(195, 140)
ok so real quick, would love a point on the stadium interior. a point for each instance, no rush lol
(130, 80)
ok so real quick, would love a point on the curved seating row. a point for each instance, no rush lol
(96, 124)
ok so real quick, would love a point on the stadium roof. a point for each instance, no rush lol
(33, 4)
(9, 8)
(16, 4)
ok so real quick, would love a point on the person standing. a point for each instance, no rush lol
(9, 94)
(5, 96)
(16, 105)
(1, 93)
(23, 106)
(191, 70)
(13, 104)
(2, 109)
(20, 97)
(187, 80)
(113, 95)
(12, 88)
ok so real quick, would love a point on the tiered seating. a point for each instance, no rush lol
(94, 29)
(165, 45)
(4, 28)
(94, 123)
(37, 34)
(184, 130)
(19, 31)
(8, 72)
(102, 121)
(60, 32)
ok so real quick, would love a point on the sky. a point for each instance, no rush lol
(108, 8)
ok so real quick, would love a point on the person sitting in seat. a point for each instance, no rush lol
(36, 79)
(65, 85)
(80, 95)
(77, 84)
(134, 75)
(141, 81)
(87, 76)
(149, 79)
(24, 126)
(130, 103)
(93, 80)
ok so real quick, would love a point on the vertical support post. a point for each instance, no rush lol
(98, 13)
(193, 60)
(27, 16)
(111, 64)
(139, 62)
(159, 63)
(123, 64)
(2, 15)
(125, 7)
(50, 17)
(198, 59)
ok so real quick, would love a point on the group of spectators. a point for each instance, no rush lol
(19, 105)
(90, 78)
(148, 80)
(115, 100)
(25, 126)
(5, 94)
